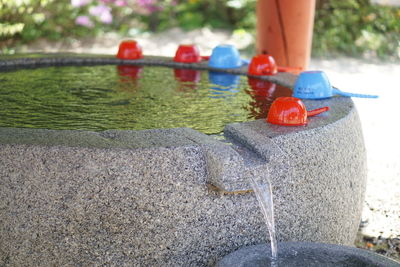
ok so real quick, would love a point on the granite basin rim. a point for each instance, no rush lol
(86, 196)
(238, 133)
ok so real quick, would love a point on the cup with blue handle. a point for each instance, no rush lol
(316, 85)
(226, 57)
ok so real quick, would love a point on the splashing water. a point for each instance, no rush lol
(263, 193)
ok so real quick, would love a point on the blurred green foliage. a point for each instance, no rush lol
(356, 27)
(192, 14)
(352, 27)
(23, 21)
(28, 20)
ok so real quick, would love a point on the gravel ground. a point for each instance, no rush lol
(381, 215)
(389, 247)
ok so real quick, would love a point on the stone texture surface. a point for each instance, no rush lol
(95, 206)
(304, 254)
(176, 197)
(319, 170)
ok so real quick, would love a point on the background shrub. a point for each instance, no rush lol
(356, 27)
(350, 27)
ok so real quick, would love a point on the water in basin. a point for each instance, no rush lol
(303, 259)
(127, 97)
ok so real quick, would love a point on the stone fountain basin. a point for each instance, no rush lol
(175, 197)
(305, 254)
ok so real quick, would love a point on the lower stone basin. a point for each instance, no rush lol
(304, 254)
(175, 197)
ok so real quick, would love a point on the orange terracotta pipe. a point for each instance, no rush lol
(284, 30)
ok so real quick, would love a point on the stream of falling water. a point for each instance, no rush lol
(263, 193)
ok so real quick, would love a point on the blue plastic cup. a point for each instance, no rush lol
(316, 85)
(225, 57)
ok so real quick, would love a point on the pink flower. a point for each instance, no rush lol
(98, 10)
(150, 5)
(79, 3)
(115, 2)
(121, 2)
(106, 17)
(84, 21)
(102, 12)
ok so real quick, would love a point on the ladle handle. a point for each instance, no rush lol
(317, 111)
(338, 92)
(289, 69)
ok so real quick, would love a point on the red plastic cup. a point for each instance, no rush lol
(291, 111)
(187, 54)
(129, 49)
(263, 64)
